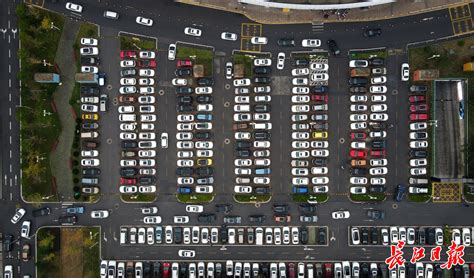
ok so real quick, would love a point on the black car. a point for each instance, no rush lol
(301, 62)
(90, 90)
(243, 145)
(146, 269)
(206, 217)
(379, 144)
(127, 72)
(262, 70)
(375, 214)
(184, 108)
(205, 81)
(307, 208)
(438, 271)
(319, 161)
(422, 236)
(184, 100)
(262, 108)
(256, 218)
(418, 153)
(322, 236)
(204, 99)
(359, 171)
(377, 62)
(129, 144)
(333, 47)
(128, 172)
(183, 72)
(358, 89)
(374, 235)
(418, 88)
(183, 270)
(320, 89)
(90, 61)
(364, 235)
(364, 269)
(147, 180)
(202, 135)
(261, 80)
(319, 126)
(377, 188)
(224, 235)
(286, 42)
(8, 243)
(431, 238)
(184, 171)
(262, 135)
(41, 212)
(281, 208)
(411, 272)
(369, 33)
(90, 172)
(261, 190)
(204, 171)
(178, 235)
(243, 153)
(184, 90)
(226, 208)
(90, 126)
(304, 235)
(358, 81)
(67, 219)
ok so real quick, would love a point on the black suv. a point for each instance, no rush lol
(261, 80)
(359, 171)
(90, 90)
(418, 153)
(183, 72)
(67, 219)
(262, 108)
(202, 135)
(226, 208)
(184, 90)
(368, 33)
(184, 100)
(127, 72)
(147, 180)
(244, 153)
(184, 171)
(280, 208)
(319, 161)
(262, 135)
(129, 144)
(205, 81)
(243, 145)
(262, 70)
(333, 47)
(301, 62)
(7, 243)
(379, 144)
(262, 190)
(204, 171)
(256, 218)
(128, 172)
(90, 172)
(206, 217)
(377, 62)
(287, 42)
(41, 212)
(307, 208)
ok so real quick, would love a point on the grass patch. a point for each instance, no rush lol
(247, 61)
(374, 197)
(86, 30)
(76, 248)
(242, 198)
(467, 197)
(453, 54)
(419, 198)
(138, 197)
(194, 198)
(39, 133)
(382, 53)
(134, 42)
(304, 198)
(199, 56)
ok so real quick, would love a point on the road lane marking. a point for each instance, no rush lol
(9, 24)
(9, 53)
(9, 111)
(9, 68)
(8, 38)
(10, 154)
(9, 84)
(10, 123)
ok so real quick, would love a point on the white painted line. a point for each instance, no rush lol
(10, 170)
(10, 154)
(10, 97)
(9, 68)
(11, 196)
(9, 111)
(9, 24)
(9, 83)
(10, 139)
(9, 53)
(10, 123)
(8, 38)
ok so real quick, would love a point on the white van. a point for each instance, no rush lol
(259, 236)
(241, 108)
(262, 126)
(128, 117)
(87, 135)
(111, 15)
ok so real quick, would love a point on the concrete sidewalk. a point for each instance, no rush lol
(281, 16)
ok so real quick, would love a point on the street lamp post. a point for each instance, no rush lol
(434, 56)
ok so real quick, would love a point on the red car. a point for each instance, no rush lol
(166, 270)
(320, 98)
(184, 63)
(282, 218)
(419, 108)
(147, 64)
(417, 99)
(128, 54)
(418, 117)
(126, 181)
(358, 135)
(291, 270)
(358, 154)
(328, 270)
(377, 153)
(127, 99)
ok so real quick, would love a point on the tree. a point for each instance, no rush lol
(46, 23)
(47, 242)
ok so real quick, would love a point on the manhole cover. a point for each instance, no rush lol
(342, 140)
(116, 206)
(227, 86)
(226, 104)
(109, 141)
(161, 92)
(394, 206)
(257, 205)
(109, 87)
(395, 92)
(226, 141)
(115, 101)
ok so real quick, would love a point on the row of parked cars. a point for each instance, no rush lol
(418, 136)
(252, 128)
(92, 102)
(409, 235)
(137, 122)
(194, 137)
(309, 127)
(345, 269)
(221, 235)
(368, 129)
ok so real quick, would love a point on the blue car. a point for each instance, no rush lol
(204, 117)
(300, 190)
(401, 190)
(263, 171)
(184, 190)
(74, 210)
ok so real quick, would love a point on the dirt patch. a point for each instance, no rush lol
(71, 253)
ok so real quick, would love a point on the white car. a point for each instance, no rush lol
(185, 118)
(311, 43)
(128, 81)
(99, 214)
(300, 135)
(359, 98)
(300, 71)
(418, 126)
(172, 52)
(342, 214)
(358, 125)
(89, 41)
(259, 40)
(300, 99)
(90, 162)
(319, 180)
(263, 98)
(242, 99)
(319, 66)
(418, 171)
(241, 82)
(377, 181)
(179, 82)
(127, 63)
(358, 145)
(378, 162)
(146, 54)
(358, 117)
(299, 154)
(228, 36)
(378, 98)
(300, 81)
(378, 80)
(319, 144)
(186, 253)
(300, 144)
(378, 117)
(419, 144)
(358, 63)
(358, 107)
(25, 229)
(204, 90)
(281, 60)
(126, 189)
(319, 77)
(378, 171)
(300, 90)
(152, 219)
(242, 189)
(262, 62)
(300, 108)
(417, 162)
(194, 208)
(147, 189)
(88, 51)
(90, 153)
(73, 7)
(378, 89)
(144, 21)
(146, 72)
(358, 180)
(378, 107)
(190, 31)
(358, 190)
(18, 215)
(405, 72)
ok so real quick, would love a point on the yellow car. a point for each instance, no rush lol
(93, 117)
(320, 135)
(204, 162)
